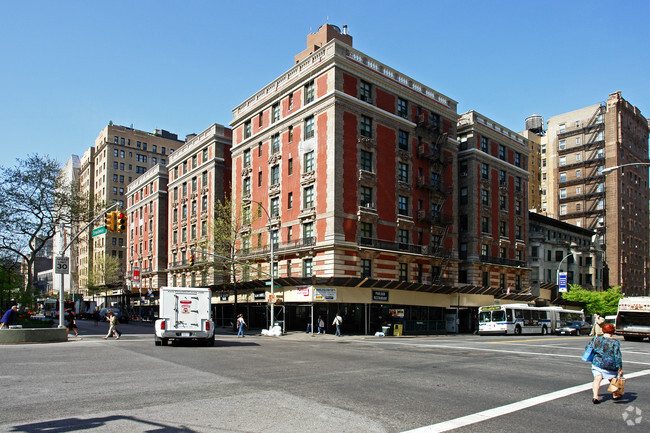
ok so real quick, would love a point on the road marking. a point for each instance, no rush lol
(485, 415)
(535, 339)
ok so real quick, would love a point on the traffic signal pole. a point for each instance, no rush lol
(62, 254)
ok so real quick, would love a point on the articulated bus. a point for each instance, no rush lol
(524, 319)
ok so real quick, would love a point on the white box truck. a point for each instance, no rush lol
(184, 314)
(633, 318)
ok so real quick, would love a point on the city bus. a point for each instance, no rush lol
(523, 319)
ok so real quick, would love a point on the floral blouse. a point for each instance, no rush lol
(607, 353)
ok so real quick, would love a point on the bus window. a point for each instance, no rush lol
(509, 317)
(528, 320)
(486, 316)
(519, 314)
(535, 317)
(498, 316)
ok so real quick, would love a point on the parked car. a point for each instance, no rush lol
(573, 328)
(104, 312)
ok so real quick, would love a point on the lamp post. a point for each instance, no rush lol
(572, 252)
(616, 167)
(268, 218)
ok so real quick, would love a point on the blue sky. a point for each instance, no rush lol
(70, 67)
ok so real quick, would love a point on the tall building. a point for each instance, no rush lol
(493, 211)
(581, 144)
(355, 164)
(84, 246)
(69, 176)
(536, 137)
(199, 176)
(146, 235)
(121, 154)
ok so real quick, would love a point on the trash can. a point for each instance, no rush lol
(385, 329)
(397, 329)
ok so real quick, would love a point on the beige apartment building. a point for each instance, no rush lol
(121, 154)
(536, 137)
(581, 144)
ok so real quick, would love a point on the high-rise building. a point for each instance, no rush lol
(354, 164)
(199, 176)
(121, 154)
(69, 176)
(493, 210)
(581, 144)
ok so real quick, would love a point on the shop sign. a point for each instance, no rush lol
(224, 296)
(259, 296)
(397, 312)
(380, 295)
(303, 291)
(324, 294)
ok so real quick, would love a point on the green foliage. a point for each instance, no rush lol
(605, 303)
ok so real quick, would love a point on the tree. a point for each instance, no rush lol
(605, 302)
(10, 279)
(106, 272)
(35, 200)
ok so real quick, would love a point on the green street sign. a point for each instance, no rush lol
(99, 231)
(275, 286)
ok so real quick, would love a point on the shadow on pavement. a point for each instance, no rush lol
(77, 424)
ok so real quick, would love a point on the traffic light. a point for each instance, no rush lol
(121, 222)
(191, 259)
(109, 220)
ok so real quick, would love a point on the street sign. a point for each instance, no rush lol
(562, 280)
(99, 231)
(61, 265)
(275, 286)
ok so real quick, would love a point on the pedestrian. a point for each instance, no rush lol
(607, 362)
(240, 325)
(112, 320)
(599, 321)
(321, 325)
(8, 317)
(337, 321)
(70, 322)
(308, 324)
(96, 316)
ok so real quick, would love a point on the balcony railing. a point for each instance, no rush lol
(403, 246)
(503, 261)
(279, 248)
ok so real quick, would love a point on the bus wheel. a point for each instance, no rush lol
(518, 330)
(544, 330)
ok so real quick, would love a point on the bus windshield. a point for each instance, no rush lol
(492, 316)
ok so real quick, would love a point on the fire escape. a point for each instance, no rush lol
(430, 130)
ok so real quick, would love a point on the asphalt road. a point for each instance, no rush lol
(302, 383)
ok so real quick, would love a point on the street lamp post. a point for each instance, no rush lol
(557, 274)
(268, 218)
(631, 164)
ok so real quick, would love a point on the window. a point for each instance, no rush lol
(366, 126)
(290, 166)
(307, 267)
(463, 195)
(403, 140)
(259, 178)
(275, 207)
(578, 174)
(275, 175)
(275, 143)
(309, 92)
(502, 152)
(502, 202)
(275, 113)
(563, 193)
(204, 203)
(518, 184)
(518, 207)
(518, 159)
(402, 108)
(484, 249)
(563, 177)
(485, 197)
(366, 230)
(194, 184)
(365, 92)
(562, 144)
(246, 188)
(308, 161)
(519, 232)
(308, 231)
(562, 128)
(562, 161)
(259, 149)
(402, 205)
(402, 172)
(309, 127)
(116, 153)
(247, 129)
(484, 144)
(290, 138)
(366, 268)
(503, 229)
(578, 190)
(365, 196)
(485, 224)
(485, 171)
(403, 271)
(502, 177)
(366, 160)
(403, 236)
(563, 209)
(308, 197)
(290, 101)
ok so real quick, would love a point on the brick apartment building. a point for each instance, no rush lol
(581, 144)
(493, 205)
(356, 165)
(120, 155)
(199, 176)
